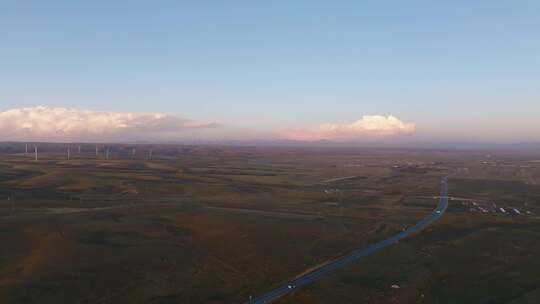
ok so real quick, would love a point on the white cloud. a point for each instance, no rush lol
(65, 124)
(367, 128)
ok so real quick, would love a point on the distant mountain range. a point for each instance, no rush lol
(333, 144)
(375, 144)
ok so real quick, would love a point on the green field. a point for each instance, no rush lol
(218, 224)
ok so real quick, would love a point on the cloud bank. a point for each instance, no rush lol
(369, 127)
(65, 124)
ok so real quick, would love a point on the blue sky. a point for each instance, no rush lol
(457, 69)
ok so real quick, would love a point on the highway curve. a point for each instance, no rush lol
(334, 265)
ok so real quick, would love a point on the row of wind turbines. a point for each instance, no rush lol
(68, 151)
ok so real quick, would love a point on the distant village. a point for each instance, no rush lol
(492, 208)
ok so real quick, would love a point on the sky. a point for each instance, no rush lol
(301, 70)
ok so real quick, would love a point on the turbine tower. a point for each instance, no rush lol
(11, 198)
(36, 153)
(68, 153)
(26, 150)
(107, 153)
(97, 151)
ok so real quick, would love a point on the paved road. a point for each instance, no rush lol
(315, 274)
(337, 179)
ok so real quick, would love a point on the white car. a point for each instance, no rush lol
(289, 286)
(438, 211)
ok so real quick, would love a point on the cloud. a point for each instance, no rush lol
(367, 128)
(67, 124)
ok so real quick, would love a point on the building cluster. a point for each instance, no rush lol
(328, 191)
(492, 208)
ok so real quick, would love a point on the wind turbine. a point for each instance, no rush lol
(11, 198)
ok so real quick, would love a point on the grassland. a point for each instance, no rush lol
(217, 224)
